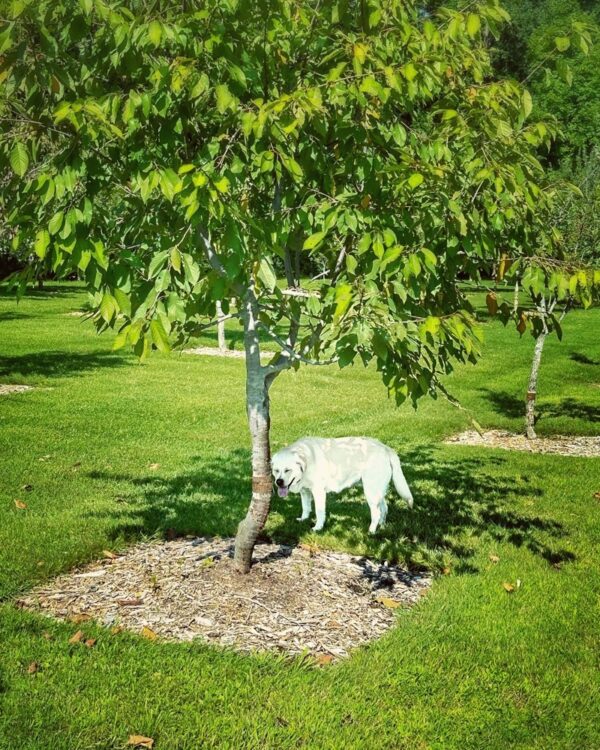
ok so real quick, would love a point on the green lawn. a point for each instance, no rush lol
(470, 667)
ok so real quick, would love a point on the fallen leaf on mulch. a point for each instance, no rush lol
(389, 603)
(148, 633)
(138, 740)
(508, 587)
(33, 667)
(77, 637)
(20, 504)
(91, 642)
(494, 558)
(76, 619)
(109, 555)
(130, 602)
(312, 549)
(324, 658)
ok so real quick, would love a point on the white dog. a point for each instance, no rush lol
(315, 466)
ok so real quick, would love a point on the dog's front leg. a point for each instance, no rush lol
(320, 497)
(306, 497)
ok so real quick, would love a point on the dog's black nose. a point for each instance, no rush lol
(279, 482)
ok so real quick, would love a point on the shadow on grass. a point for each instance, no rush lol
(509, 406)
(53, 291)
(57, 363)
(7, 316)
(456, 503)
(583, 359)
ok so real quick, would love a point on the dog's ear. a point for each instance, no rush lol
(300, 460)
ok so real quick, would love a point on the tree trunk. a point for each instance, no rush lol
(258, 380)
(532, 389)
(220, 328)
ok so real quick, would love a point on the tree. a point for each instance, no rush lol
(176, 156)
(552, 286)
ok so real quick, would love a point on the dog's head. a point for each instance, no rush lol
(288, 467)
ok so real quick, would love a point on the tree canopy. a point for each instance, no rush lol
(171, 155)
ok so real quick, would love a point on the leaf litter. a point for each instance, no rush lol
(295, 600)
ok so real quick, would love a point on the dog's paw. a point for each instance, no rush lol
(302, 518)
(317, 528)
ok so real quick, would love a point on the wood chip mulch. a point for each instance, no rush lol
(295, 600)
(565, 445)
(5, 389)
(213, 351)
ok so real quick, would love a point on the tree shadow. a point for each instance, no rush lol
(583, 359)
(10, 315)
(55, 291)
(510, 406)
(58, 363)
(457, 502)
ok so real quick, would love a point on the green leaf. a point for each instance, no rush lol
(409, 71)
(343, 298)
(473, 24)
(108, 307)
(266, 274)
(562, 43)
(121, 337)
(123, 301)
(56, 222)
(415, 180)
(155, 32)
(526, 103)
(176, 259)
(157, 263)
(19, 159)
(315, 239)
(159, 336)
(41, 243)
(225, 98)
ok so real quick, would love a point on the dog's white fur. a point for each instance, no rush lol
(315, 466)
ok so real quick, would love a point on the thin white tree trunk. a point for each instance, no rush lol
(533, 376)
(258, 381)
(220, 328)
(516, 296)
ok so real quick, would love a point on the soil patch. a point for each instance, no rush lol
(565, 445)
(294, 600)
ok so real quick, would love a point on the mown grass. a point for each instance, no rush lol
(471, 667)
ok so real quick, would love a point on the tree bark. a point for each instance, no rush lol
(258, 381)
(220, 328)
(533, 379)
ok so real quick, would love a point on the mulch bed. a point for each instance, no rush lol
(565, 445)
(213, 351)
(295, 600)
(6, 389)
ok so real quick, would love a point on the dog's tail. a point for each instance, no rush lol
(400, 482)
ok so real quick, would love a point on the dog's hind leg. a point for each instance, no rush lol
(306, 497)
(375, 483)
(320, 496)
